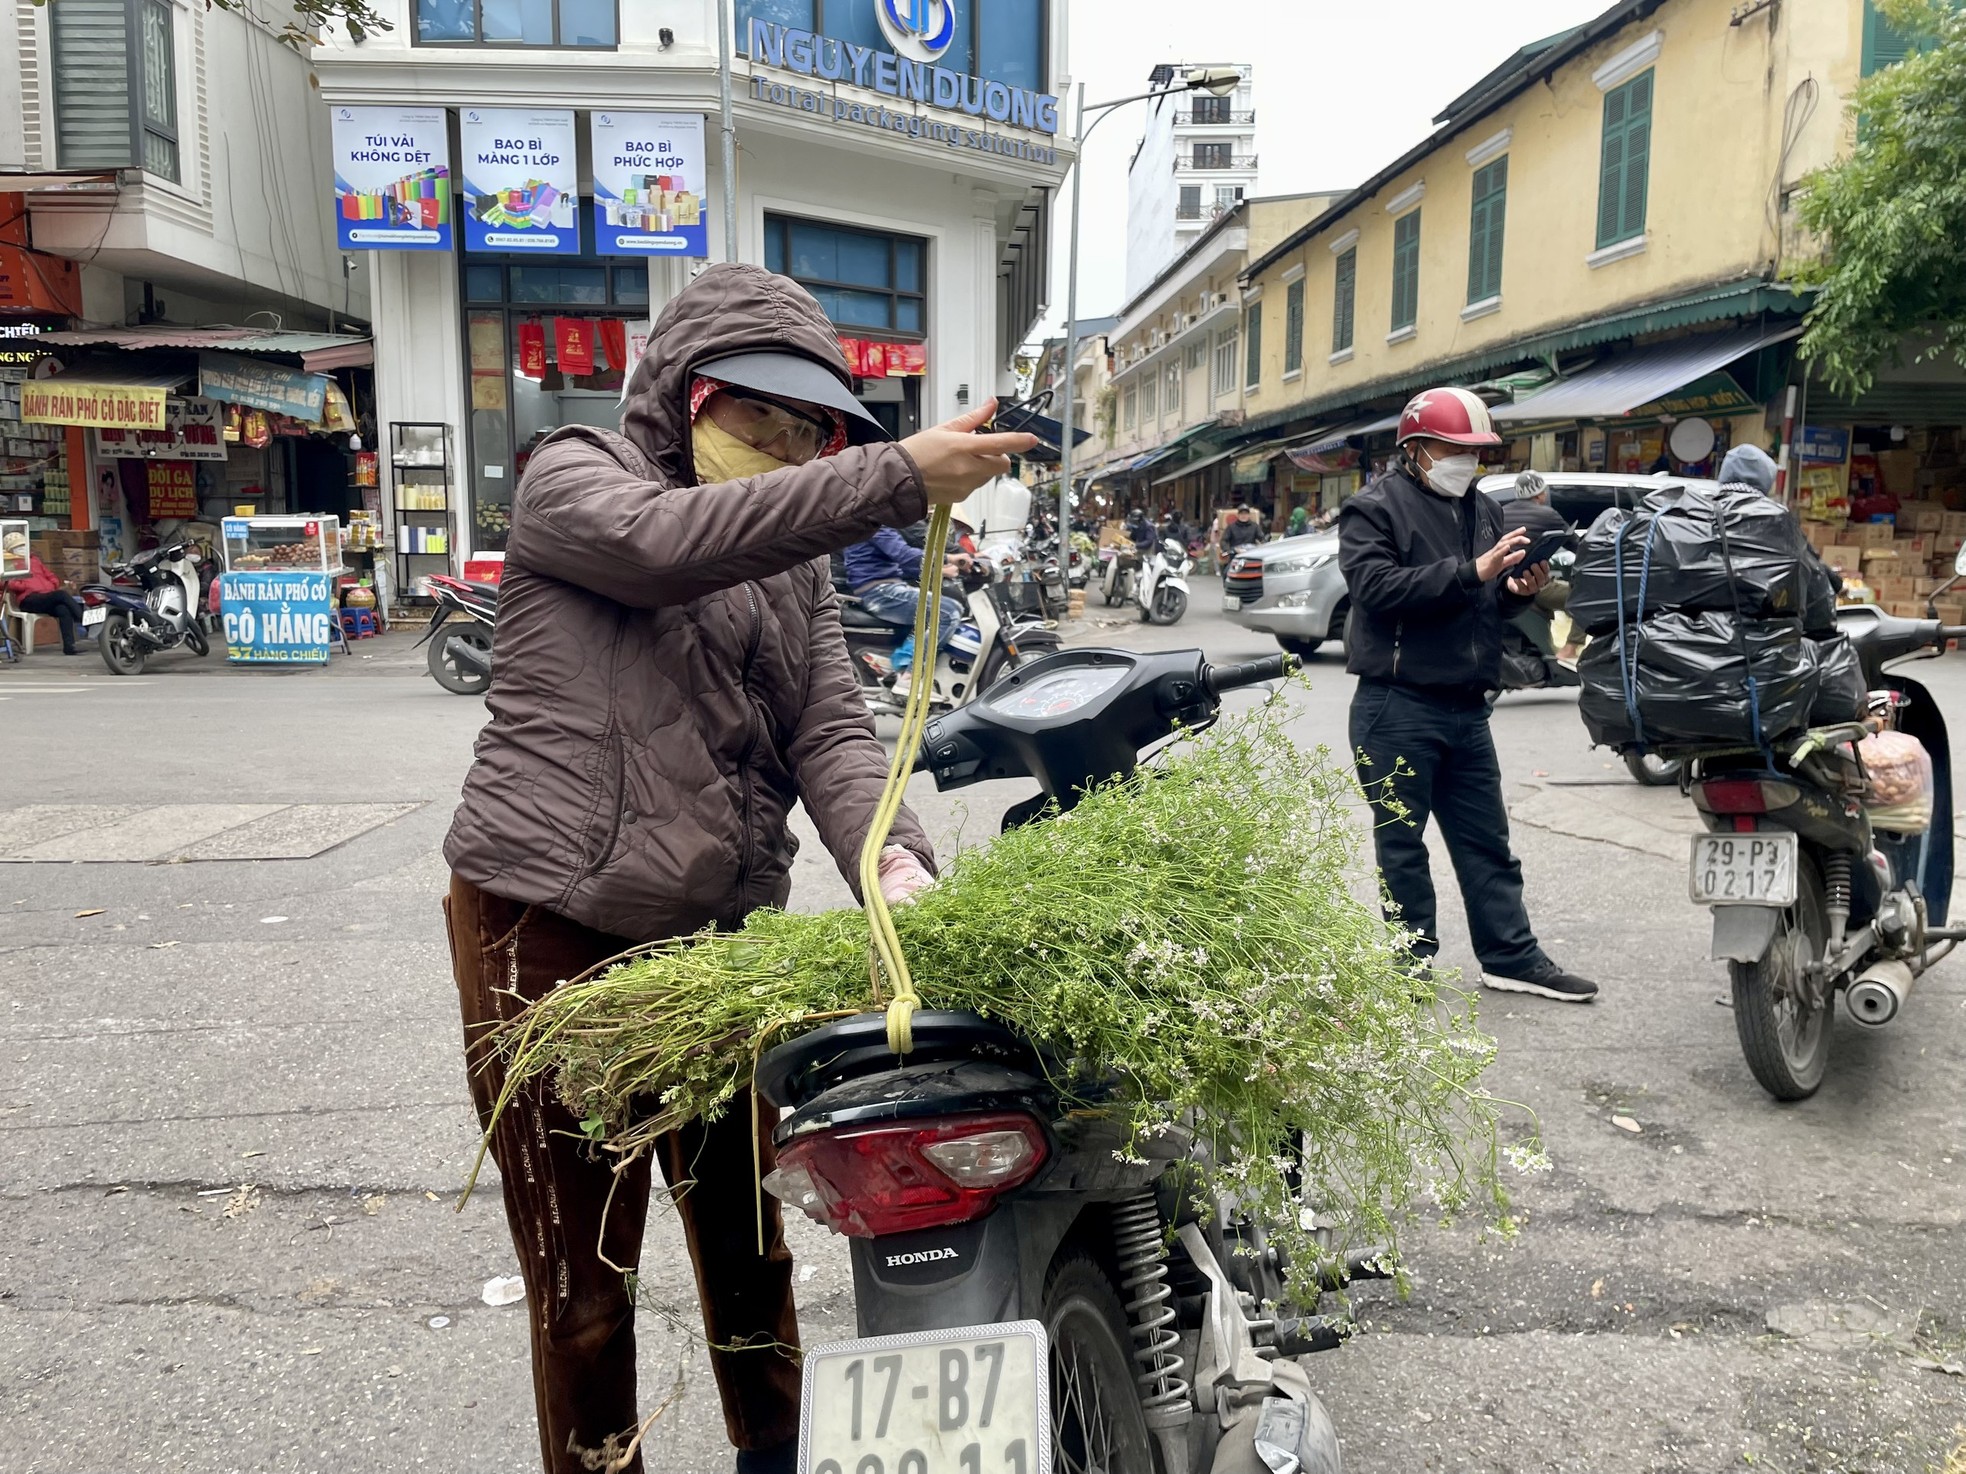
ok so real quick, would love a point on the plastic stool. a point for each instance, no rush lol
(358, 624)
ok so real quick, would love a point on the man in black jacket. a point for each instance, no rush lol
(1432, 575)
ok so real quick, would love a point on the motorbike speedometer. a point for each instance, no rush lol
(1057, 692)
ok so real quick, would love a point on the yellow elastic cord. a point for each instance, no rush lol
(885, 943)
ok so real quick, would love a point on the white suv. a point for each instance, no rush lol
(1290, 589)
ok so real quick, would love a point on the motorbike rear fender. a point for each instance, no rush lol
(1742, 933)
(979, 1273)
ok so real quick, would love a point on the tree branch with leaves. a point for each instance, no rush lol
(1890, 219)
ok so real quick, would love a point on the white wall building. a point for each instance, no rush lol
(905, 176)
(1196, 158)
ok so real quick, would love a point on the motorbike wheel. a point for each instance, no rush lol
(1096, 1421)
(462, 679)
(194, 636)
(1652, 770)
(1169, 606)
(120, 650)
(1786, 1042)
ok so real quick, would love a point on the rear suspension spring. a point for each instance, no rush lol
(1142, 1249)
(1836, 896)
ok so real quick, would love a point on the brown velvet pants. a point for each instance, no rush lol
(556, 1198)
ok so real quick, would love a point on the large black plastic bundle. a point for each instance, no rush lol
(1674, 550)
(1689, 677)
(1842, 695)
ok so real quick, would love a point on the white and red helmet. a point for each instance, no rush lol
(1457, 416)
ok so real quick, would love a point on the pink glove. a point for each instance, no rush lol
(901, 875)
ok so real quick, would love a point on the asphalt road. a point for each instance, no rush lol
(233, 1125)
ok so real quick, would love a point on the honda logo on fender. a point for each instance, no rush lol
(920, 1256)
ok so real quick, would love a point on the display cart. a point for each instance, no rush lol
(424, 477)
(278, 590)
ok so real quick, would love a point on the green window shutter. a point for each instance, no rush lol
(1884, 43)
(1253, 369)
(1293, 327)
(1625, 161)
(1485, 231)
(1406, 270)
(1343, 299)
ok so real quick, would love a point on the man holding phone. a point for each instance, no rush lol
(1432, 573)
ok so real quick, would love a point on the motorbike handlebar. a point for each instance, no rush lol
(1222, 678)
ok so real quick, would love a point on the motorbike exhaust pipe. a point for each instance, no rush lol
(1878, 993)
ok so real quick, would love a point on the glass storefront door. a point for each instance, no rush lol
(549, 343)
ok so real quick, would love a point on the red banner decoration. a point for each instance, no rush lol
(614, 343)
(532, 350)
(173, 489)
(573, 346)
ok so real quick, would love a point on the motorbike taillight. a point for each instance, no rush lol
(1743, 795)
(920, 1174)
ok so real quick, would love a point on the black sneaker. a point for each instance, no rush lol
(1545, 980)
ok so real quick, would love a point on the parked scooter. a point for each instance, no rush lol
(1012, 1270)
(1161, 590)
(461, 648)
(1809, 898)
(151, 603)
(994, 638)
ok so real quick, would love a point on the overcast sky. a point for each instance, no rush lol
(1341, 90)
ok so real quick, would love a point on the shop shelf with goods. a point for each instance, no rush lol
(423, 474)
(33, 470)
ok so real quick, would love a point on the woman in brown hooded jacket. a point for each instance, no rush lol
(669, 679)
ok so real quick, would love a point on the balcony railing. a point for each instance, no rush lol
(1199, 119)
(1215, 164)
(1200, 212)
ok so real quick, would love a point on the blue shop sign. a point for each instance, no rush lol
(259, 385)
(277, 618)
(1823, 443)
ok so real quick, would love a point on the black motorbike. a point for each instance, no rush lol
(460, 633)
(1013, 1281)
(1810, 897)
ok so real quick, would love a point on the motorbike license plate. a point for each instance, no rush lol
(95, 614)
(1743, 869)
(968, 1401)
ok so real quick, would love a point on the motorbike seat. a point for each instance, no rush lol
(853, 617)
(796, 1071)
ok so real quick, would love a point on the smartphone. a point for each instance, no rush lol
(1545, 548)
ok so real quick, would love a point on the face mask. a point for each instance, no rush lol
(1451, 476)
(721, 456)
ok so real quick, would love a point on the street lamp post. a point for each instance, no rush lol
(1217, 81)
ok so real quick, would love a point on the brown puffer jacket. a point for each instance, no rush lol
(670, 674)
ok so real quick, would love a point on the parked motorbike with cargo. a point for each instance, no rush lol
(1821, 773)
(460, 633)
(150, 604)
(1829, 868)
(1027, 1296)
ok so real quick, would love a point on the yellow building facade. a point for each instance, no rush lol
(1635, 173)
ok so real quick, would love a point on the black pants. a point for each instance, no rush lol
(1450, 772)
(65, 607)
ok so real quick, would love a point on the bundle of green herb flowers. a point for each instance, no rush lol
(1196, 931)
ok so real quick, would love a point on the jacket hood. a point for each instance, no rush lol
(728, 308)
(1748, 465)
